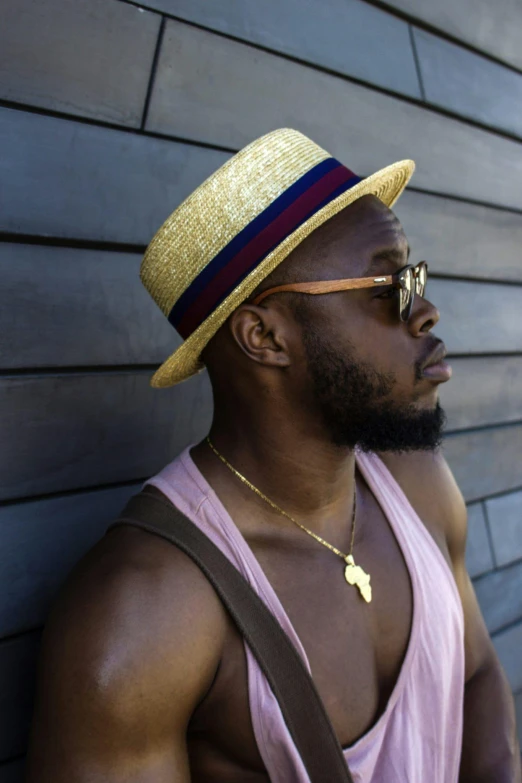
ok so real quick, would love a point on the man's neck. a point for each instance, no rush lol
(295, 465)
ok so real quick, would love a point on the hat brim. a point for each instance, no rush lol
(386, 184)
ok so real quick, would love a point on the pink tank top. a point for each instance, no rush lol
(419, 735)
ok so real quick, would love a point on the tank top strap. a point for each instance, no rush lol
(416, 542)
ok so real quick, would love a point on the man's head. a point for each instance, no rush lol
(345, 357)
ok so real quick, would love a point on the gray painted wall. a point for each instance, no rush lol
(110, 114)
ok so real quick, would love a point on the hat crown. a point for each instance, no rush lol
(221, 207)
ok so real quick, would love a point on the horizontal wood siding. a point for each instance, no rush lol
(61, 178)
(110, 318)
(508, 645)
(483, 391)
(507, 583)
(486, 462)
(41, 541)
(365, 42)
(492, 28)
(112, 113)
(99, 428)
(214, 90)
(505, 522)
(468, 84)
(108, 48)
(345, 36)
(479, 242)
(479, 557)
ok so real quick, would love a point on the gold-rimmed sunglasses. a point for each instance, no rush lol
(409, 280)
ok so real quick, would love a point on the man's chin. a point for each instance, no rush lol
(408, 449)
(426, 403)
(403, 430)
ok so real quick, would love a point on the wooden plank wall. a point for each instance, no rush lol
(111, 112)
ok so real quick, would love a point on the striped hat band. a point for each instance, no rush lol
(232, 264)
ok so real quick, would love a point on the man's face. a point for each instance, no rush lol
(364, 363)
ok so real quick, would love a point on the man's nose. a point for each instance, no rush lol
(424, 316)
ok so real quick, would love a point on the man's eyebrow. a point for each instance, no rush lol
(390, 255)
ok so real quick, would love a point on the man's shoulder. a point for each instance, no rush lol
(130, 649)
(137, 612)
(430, 486)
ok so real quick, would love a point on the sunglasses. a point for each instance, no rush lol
(408, 281)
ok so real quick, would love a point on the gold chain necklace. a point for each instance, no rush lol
(353, 574)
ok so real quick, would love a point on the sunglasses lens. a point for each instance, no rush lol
(421, 279)
(406, 293)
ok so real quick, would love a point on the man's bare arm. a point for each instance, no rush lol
(130, 649)
(490, 750)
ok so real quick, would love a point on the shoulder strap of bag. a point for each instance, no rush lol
(300, 703)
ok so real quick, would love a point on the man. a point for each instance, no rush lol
(321, 480)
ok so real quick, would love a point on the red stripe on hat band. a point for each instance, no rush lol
(259, 246)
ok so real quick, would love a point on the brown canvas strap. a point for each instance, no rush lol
(300, 703)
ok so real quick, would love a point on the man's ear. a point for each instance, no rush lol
(262, 333)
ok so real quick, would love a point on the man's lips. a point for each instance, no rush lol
(435, 368)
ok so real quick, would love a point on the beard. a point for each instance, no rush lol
(355, 403)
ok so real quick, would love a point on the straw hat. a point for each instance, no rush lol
(237, 227)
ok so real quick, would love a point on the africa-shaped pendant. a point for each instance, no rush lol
(355, 575)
